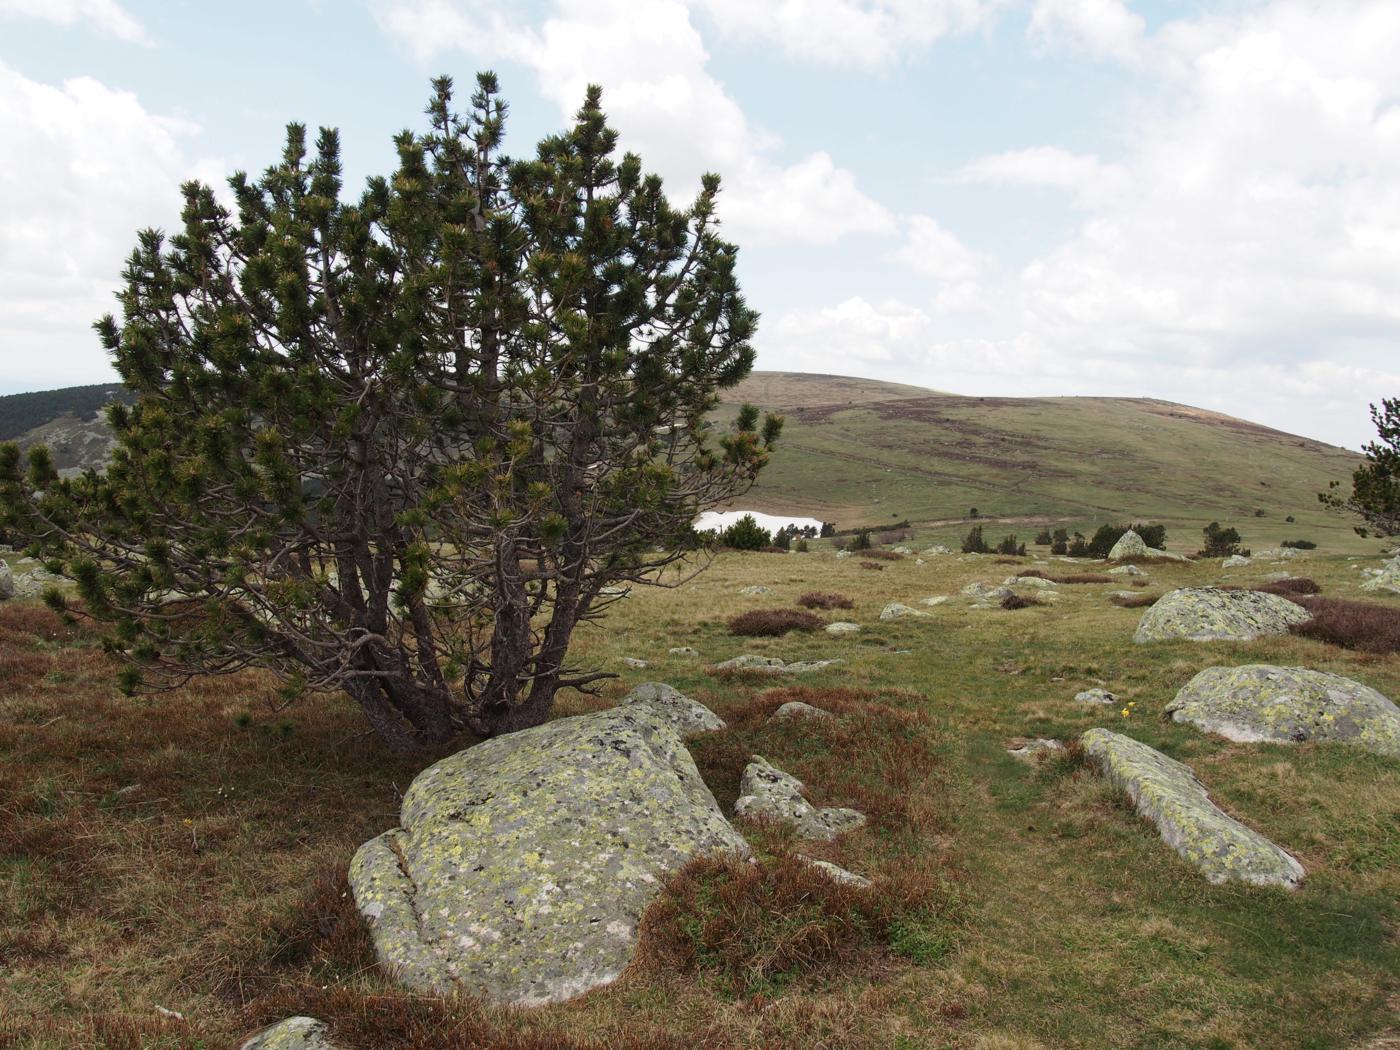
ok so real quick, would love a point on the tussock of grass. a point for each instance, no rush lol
(1364, 626)
(760, 623)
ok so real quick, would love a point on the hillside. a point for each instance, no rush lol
(861, 452)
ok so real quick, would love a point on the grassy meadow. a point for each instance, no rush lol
(185, 853)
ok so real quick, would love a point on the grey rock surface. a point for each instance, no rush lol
(1204, 614)
(766, 792)
(686, 716)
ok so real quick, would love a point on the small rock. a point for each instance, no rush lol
(937, 549)
(797, 709)
(937, 599)
(772, 665)
(1027, 581)
(1126, 570)
(632, 661)
(1031, 749)
(985, 592)
(1168, 794)
(686, 716)
(757, 588)
(682, 650)
(898, 611)
(902, 550)
(1235, 561)
(1095, 696)
(767, 792)
(842, 627)
(7, 580)
(295, 1033)
(843, 554)
(837, 873)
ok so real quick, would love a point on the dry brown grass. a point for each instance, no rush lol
(874, 566)
(1021, 601)
(880, 555)
(825, 600)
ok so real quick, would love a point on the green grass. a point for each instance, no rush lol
(1051, 917)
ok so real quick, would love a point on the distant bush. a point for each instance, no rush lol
(972, 513)
(894, 536)
(1008, 545)
(1258, 512)
(1221, 542)
(860, 541)
(1043, 538)
(1108, 535)
(1290, 519)
(1352, 625)
(828, 529)
(973, 543)
(782, 539)
(1020, 601)
(800, 547)
(1078, 547)
(766, 623)
(1134, 601)
(746, 534)
(1059, 547)
(825, 600)
(1301, 545)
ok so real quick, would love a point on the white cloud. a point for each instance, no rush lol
(1104, 27)
(869, 33)
(97, 167)
(1088, 178)
(665, 104)
(933, 252)
(106, 16)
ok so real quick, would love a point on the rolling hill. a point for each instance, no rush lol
(861, 452)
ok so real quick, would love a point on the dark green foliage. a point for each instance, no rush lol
(1301, 545)
(860, 541)
(1375, 485)
(20, 413)
(972, 513)
(973, 543)
(1259, 512)
(1078, 547)
(1106, 536)
(1221, 542)
(402, 445)
(828, 529)
(1059, 542)
(746, 534)
(1290, 519)
(1043, 538)
(1008, 545)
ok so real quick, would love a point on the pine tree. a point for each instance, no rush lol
(1375, 485)
(402, 445)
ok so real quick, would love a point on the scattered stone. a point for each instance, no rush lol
(1271, 577)
(295, 1033)
(1032, 749)
(837, 873)
(1260, 702)
(985, 592)
(1095, 696)
(843, 554)
(1125, 594)
(682, 650)
(1129, 545)
(757, 588)
(1386, 579)
(766, 791)
(918, 561)
(898, 611)
(937, 549)
(842, 627)
(1236, 561)
(523, 864)
(937, 599)
(901, 550)
(7, 580)
(632, 661)
(1208, 614)
(686, 716)
(797, 709)
(772, 665)
(1027, 581)
(1126, 570)
(1168, 794)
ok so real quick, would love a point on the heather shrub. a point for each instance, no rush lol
(1300, 545)
(1364, 626)
(765, 623)
(1291, 586)
(1134, 601)
(1020, 601)
(825, 600)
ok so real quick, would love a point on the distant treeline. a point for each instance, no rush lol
(20, 413)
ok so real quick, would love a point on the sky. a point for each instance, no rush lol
(1192, 200)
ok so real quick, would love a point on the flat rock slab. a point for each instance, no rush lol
(899, 611)
(1095, 696)
(796, 709)
(1168, 794)
(773, 665)
(1387, 580)
(1208, 614)
(757, 588)
(1033, 749)
(522, 865)
(1260, 702)
(767, 792)
(986, 592)
(686, 716)
(842, 627)
(295, 1033)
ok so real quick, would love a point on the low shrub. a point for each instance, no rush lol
(1141, 583)
(1291, 586)
(825, 600)
(766, 623)
(973, 543)
(1008, 545)
(894, 536)
(1020, 601)
(860, 541)
(746, 534)
(875, 565)
(1078, 547)
(1043, 538)
(1134, 601)
(1364, 626)
(800, 547)
(1221, 542)
(1299, 545)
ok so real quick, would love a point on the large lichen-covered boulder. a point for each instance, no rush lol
(295, 1033)
(765, 791)
(522, 865)
(687, 717)
(1386, 580)
(1209, 614)
(1168, 794)
(986, 592)
(1129, 545)
(1259, 702)
(899, 611)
